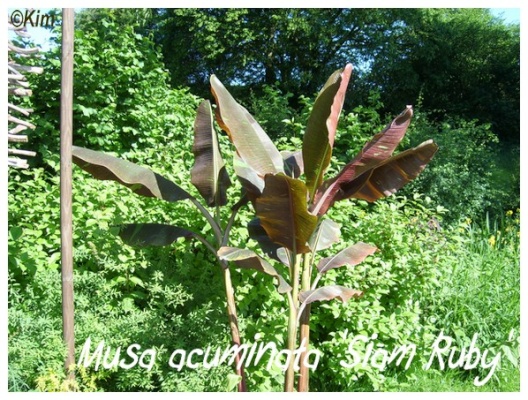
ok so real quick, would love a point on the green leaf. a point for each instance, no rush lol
(208, 173)
(329, 293)
(152, 234)
(87, 111)
(282, 210)
(15, 232)
(327, 233)
(253, 145)
(321, 128)
(352, 256)
(136, 281)
(232, 381)
(249, 259)
(140, 180)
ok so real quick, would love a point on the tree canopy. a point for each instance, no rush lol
(462, 62)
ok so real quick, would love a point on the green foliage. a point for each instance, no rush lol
(356, 128)
(465, 179)
(407, 265)
(297, 48)
(271, 108)
(34, 233)
(122, 100)
(490, 282)
(176, 308)
(122, 294)
(425, 279)
(56, 381)
(462, 62)
(169, 318)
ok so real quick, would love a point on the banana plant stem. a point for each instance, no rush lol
(289, 379)
(214, 225)
(221, 239)
(233, 324)
(304, 372)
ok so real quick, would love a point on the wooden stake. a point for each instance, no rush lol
(66, 124)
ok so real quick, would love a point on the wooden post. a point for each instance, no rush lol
(66, 124)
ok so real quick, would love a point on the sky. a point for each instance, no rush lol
(509, 15)
(41, 35)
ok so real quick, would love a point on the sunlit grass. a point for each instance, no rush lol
(483, 298)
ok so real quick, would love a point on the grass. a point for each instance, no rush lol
(483, 297)
(507, 379)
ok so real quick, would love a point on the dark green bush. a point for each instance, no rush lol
(467, 176)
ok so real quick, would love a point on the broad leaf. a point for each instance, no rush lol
(283, 213)
(270, 248)
(253, 145)
(352, 256)
(293, 163)
(329, 293)
(208, 173)
(152, 234)
(327, 233)
(356, 174)
(389, 176)
(249, 259)
(251, 181)
(321, 128)
(140, 180)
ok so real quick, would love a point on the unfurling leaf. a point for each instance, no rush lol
(321, 128)
(208, 173)
(352, 256)
(140, 180)
(152, 234)
(253, 145)
(244, 258)
(329, 293)
(282, 210)
(327, 233)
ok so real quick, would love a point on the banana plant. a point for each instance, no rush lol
(290, 226)
(208, 175)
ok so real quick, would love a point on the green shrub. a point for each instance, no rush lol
(464, 177)
(271, 107)
(122, 100)
(122, 294)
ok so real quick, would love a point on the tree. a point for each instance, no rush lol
(293, 48)
(461, 62)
